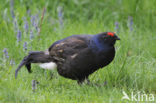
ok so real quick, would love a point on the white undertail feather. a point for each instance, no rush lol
(50, 65)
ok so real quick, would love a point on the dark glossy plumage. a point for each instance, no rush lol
(76, 56)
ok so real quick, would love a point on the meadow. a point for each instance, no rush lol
(34, 25)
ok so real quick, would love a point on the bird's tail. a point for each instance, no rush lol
(34, 57)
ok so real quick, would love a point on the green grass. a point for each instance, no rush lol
(133, 69)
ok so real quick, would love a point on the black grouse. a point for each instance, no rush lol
(77, 56)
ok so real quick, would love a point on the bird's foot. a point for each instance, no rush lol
(86, 81)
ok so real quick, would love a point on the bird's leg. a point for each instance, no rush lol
(83, 80)
(80, 81)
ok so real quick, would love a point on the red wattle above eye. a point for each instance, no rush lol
(110, 33)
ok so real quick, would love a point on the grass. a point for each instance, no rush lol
(133, 69)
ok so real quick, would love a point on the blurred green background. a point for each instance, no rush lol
(25, 26)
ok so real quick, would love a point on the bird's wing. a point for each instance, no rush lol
(68, 46)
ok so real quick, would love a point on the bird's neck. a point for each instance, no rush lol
(100, 45)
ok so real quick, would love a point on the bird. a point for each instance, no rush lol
(75, 57)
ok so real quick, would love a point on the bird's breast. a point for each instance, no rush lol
(104, 57)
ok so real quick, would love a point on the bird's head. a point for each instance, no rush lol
(108, 38)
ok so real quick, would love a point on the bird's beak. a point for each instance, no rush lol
(117, 38)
